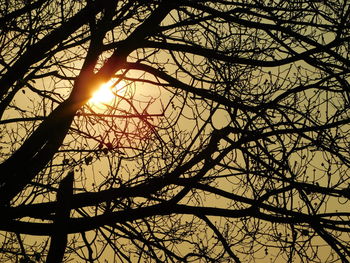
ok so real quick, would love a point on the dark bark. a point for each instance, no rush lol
(63, 207)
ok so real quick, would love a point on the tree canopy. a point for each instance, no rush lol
(224, 138)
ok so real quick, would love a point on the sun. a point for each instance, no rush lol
(106, 92)
(103, 95)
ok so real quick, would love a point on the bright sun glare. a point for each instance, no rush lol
(105, 95)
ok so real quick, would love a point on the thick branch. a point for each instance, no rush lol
(59, 236)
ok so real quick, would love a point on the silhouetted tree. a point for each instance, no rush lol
(227, 139)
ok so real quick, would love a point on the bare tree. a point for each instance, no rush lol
(226, 138)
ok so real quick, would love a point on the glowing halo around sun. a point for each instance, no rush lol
(106, 92)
